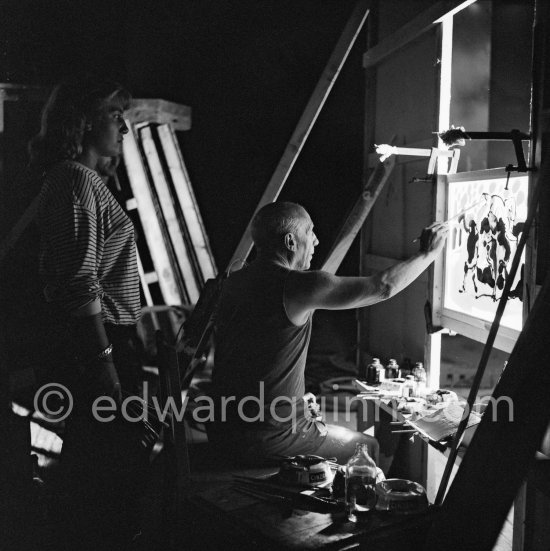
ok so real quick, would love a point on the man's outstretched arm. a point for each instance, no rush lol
(308, 291)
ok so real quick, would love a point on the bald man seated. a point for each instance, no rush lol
(262, 333)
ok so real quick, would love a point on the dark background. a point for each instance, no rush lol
(246, 68)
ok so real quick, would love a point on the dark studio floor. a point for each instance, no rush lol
(42, 515)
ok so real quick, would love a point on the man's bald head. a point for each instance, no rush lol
(275, 220)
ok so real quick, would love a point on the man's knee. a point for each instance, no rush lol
(341, 443)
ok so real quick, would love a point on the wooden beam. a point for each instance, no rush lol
(160, 111)
(432, 341)
(175, 403)
(358, 215)
(409, 32)
(307, 120)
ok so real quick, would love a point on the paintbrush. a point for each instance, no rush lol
(298, 500)
(263, 495)
(464, 211)
(457, 215)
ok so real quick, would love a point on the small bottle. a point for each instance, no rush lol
(420, 377)
(409, 387)
(392, 370)
(374, 370)
(360, 490)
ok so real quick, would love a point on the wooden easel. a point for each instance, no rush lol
(503, 447)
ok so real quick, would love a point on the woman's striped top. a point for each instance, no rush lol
(87, 248)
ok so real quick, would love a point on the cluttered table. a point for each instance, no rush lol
(398, 417)
(433, 415)
(253, 512)
(259, 509)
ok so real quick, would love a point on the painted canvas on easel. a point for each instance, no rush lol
(486, 219)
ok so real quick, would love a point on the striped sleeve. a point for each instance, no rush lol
(69, 229)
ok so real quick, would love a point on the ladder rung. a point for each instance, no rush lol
(151, 277)
(131, 204)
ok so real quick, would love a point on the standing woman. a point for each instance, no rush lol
(90, 279)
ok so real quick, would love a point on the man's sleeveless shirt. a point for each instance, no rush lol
(259, 353)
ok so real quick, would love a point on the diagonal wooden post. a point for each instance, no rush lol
(357, 216)
(307, 120)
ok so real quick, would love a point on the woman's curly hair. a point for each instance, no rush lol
(70, 105)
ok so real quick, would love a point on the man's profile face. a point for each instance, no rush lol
(306, 242)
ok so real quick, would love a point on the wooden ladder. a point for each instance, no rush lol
(175, 254)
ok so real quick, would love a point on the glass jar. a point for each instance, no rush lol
(373, 372)
(360, 492)
(420, 377)
(409, 387)
(392, 370)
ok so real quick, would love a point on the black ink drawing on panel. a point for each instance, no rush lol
(482, 243)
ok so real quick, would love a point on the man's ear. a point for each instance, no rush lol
(290, 242)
